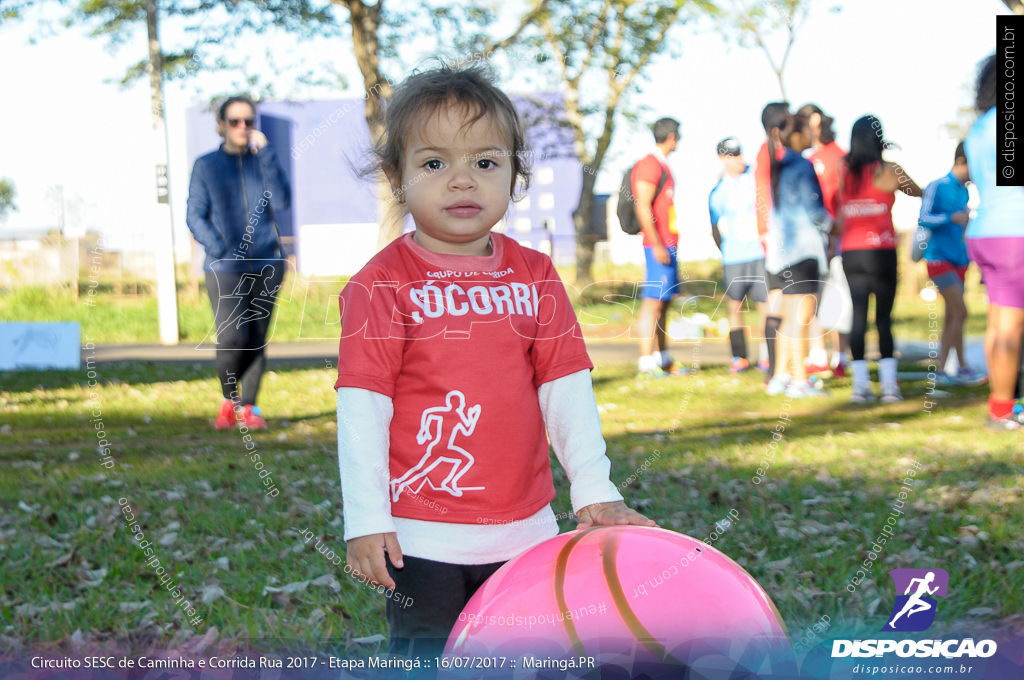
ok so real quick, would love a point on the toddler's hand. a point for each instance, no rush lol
(611, 513)
(366, 558)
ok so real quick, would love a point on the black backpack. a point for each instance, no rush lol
(625, 209)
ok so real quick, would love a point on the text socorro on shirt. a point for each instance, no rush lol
(457, 299)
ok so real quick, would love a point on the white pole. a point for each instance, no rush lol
(166, 288)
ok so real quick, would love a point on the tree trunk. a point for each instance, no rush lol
(782, 85)
(585, 238)
(166, 284)
(365, 22)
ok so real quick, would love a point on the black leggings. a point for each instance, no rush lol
(428, 599)
(871, 272)
(243, 306)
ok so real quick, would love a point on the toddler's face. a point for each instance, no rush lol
(456, 180)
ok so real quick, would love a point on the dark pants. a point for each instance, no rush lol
(243, 307)
(438, 592)
(871, 272)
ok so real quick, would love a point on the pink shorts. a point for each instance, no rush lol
(1001, 261)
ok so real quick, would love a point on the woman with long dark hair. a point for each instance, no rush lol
(795, 256)
(234, 194)
(995, 241)
(867, 191)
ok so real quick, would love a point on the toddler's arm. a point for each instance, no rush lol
(574, 426)
(364, 420)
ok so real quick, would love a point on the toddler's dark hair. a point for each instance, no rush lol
(472, 90)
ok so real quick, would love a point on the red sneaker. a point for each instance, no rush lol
(227, 416)
(839, 371)
(815, 370)
(252, 418)
(738, 365)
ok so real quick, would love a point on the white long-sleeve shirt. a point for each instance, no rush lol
(570, 416)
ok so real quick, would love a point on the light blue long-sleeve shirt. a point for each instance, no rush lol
(733, 208)
(1001, 211)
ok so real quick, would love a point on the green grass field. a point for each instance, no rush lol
(71, 569)
(308, 309)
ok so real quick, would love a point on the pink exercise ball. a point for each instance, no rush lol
(655, 596)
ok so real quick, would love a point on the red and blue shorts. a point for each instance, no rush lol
(946, 274)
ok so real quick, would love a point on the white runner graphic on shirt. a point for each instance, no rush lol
(432, 429)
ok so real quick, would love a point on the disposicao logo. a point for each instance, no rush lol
(914, 611)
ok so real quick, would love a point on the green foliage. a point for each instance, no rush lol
(214, 27)
(7, 196)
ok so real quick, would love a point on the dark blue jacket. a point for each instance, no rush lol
(231, 203)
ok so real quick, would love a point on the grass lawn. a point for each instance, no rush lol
(71, 570)
(308, 309)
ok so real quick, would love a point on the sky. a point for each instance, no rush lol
(910, 62)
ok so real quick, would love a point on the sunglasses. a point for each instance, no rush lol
(237, 122)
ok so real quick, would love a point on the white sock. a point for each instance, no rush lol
(818, 357)
(838, 358)
(887, 372)
(784, 378)
(662, 357)
(861, 374)
(647, 363)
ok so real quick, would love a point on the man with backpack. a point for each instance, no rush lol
(651, 194)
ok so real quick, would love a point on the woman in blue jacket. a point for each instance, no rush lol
(795, 252)
(232, 198)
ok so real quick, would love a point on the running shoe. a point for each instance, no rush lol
(763, 365)
(945, 380)
(862, 394)
(673, 369)
(815, 369)
(970, 377)
(803, 390)
(1008, 424)
(776, 386)
(738, 365)
(891, 394)
(227, 416)
(839, 371)
(253, 418)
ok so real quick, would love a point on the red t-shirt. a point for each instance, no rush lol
(867, 213)
(826, 166)
(461, 345)
(648, 169)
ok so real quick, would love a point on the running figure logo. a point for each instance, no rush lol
(433, 424)
(262, 302)
(914, 610)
